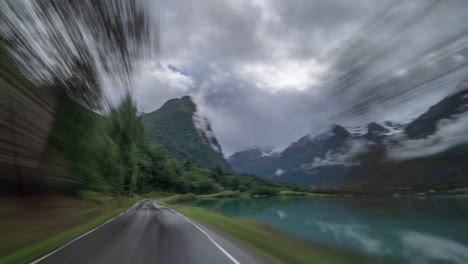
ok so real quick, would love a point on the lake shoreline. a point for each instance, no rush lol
(455, 193)
(401, 228)
(268, 240)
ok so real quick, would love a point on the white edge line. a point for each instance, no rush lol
(210, 238)
(69, 242)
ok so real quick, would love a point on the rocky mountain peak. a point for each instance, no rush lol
(374, 127)
(184, 103)
(340, 131)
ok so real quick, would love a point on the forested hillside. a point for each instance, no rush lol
(67, 144)
(185, 134)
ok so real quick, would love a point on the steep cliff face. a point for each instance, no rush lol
(185, 133)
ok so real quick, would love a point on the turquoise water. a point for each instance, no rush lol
(419, 231)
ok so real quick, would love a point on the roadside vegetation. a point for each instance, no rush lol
(71, 218)
(459, 192)
(302, 193)
(73, 158)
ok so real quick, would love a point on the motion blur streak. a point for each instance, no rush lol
(80, 44)
(62, 62)
(74, 147)
(380, 68)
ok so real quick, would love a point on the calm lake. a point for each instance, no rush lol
(416, 230)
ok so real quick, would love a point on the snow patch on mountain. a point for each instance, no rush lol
(393, 128)
(260, 151)
(358, 130)
(267, 154)
(279, 172)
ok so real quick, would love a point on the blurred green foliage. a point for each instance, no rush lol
(58, 143)
(108, 153)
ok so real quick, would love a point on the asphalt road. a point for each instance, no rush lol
(149, 233)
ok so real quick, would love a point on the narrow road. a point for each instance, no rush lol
(149, 233)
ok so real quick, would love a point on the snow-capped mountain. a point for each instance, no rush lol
(387, 128)
(255, 160)
(423, 150)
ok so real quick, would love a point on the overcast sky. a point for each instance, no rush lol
(266, 72)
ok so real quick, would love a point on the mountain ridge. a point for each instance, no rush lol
(361, 155)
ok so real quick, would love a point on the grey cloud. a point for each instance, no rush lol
(155, 84)
(212, 39)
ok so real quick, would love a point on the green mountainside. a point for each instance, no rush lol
(184, 134)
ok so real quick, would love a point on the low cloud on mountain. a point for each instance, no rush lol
(449, 133)
(271, 71)
(344, 157)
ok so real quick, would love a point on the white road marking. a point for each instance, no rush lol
(201, 230)
(69, 242)
(210, 238)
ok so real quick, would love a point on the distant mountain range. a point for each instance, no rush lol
(184, 133)
(431, 150)
(257, 160)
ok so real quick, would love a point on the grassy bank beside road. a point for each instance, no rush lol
(236, 194)
(271, 242)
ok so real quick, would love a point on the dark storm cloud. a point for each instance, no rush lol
(265, 71)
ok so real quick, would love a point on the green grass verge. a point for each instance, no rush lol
(32, 252)
(224, 194)
(236, 194)
(459, 193)
(272, 243)
(294, 193)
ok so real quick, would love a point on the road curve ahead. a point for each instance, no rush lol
(148, 233)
